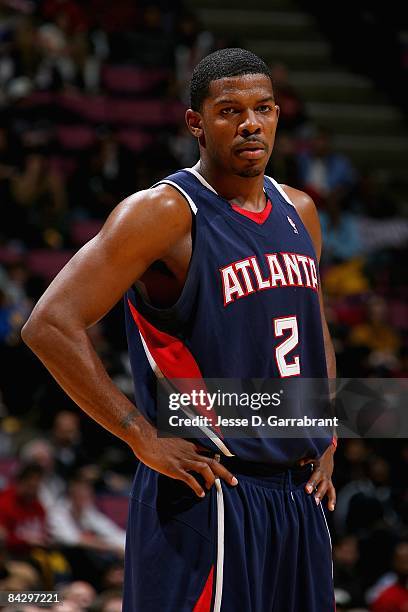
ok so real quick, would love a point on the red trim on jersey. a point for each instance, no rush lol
(334, 442)
(258, 217)
(204, 602)
(174, 360)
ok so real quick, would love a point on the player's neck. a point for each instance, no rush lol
(246, 192)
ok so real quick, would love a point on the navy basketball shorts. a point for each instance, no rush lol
(262, 546)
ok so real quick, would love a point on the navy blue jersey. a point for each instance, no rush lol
(249, 308)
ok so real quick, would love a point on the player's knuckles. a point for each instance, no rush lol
(201, 467)
(192, 482)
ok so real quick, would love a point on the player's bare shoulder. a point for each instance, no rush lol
(151, 221)
(163, 206)
(307, 211)
(301, 200)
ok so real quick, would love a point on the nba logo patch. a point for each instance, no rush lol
(292, 224)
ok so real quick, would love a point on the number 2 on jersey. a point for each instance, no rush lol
(281, 325)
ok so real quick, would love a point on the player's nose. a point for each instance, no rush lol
(250, 124)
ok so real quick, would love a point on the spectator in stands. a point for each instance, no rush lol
(77, 522)
(340, 233)
(395, 597)
(40, 192)
(22, 515)
(104, 178)
(282, 165)
(110, 601)
(64, 606)
(192, 44)
(324, 174)
(52, 486)
(12, 318)
(183, 147)
(19, 66)
(90, 539)
(373, 196)
(66, 440)
(15, 575)
(80, 593)
(292, 114)
(69, 15)
(345, 569)
(376, 334)
(113, 577)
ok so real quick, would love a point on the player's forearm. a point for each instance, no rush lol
(69, 356)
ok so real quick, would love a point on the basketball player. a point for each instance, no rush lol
(231, 525)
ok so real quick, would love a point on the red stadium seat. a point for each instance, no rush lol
(64, 166)
(75, 137)
(137, 112)
(131, 80)
(135, 140)
(83, 231)
(47, 263)
(93, 108)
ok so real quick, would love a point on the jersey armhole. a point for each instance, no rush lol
(191, 204)
(289, 201)
(281, 190)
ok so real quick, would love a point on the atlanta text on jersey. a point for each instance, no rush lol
(243, 277)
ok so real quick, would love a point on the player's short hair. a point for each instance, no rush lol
(220, 64)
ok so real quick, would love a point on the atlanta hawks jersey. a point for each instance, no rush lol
(249, 309)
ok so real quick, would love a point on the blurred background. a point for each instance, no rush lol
(92, 101)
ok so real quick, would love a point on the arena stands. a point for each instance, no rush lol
(90, 94)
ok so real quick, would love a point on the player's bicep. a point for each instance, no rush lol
(139, 231)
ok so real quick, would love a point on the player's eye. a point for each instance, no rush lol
(264, 108)
(228, 111)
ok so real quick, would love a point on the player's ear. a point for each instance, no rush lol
(194, 123)
(277, 108)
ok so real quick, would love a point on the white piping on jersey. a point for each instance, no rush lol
(206, 184)
(152, 363)
(220, 547)
(281, 191)
(206, 430)
(328, 533)
(201, 179)
(181, 190)
(327, 527)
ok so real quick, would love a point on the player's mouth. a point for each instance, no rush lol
(251, 151)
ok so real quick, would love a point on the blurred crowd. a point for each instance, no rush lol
(92, 97)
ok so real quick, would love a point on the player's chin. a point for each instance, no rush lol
(251, 170)
(251, 167)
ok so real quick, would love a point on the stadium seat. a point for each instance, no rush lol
(47, 263)
(137, 112)
(75, 137)
(92, 108)
(135, 140)
(131, 80)
(83, 231)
